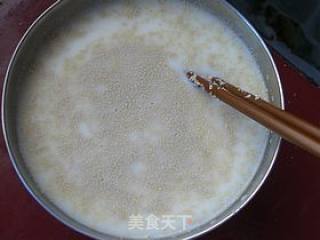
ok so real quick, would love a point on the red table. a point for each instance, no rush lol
(287, 206)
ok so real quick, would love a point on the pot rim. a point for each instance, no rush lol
(61, 216)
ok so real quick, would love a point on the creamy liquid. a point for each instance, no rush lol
(110, 127)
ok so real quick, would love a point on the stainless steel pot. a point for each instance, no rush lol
(46, 25)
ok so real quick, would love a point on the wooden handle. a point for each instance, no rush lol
(290, 127)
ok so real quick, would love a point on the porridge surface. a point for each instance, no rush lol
(110, 127)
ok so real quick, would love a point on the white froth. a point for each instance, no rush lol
(84, 130)
(110, 127)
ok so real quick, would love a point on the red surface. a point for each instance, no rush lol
(287, 206)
